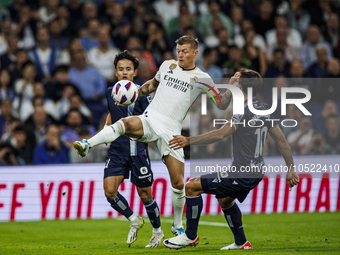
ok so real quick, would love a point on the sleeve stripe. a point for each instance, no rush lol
(156, 79)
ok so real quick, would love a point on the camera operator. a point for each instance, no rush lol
(8, 155)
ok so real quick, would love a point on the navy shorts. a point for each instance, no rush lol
(228, 187)
(139, 166)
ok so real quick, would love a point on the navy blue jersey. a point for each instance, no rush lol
(249, 138)
(124, 145)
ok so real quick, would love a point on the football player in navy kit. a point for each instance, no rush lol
(247, 141)
(126, 156)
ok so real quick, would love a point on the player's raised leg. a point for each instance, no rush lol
(193, 190)
(119, 203)
(233, 216)
(131, 126)
(176, 172)
(152, 210)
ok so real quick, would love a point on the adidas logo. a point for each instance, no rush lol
(235, 183)
(170, 72)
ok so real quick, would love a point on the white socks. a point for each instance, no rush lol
(178, 201)
(108, 134)
(133, 218)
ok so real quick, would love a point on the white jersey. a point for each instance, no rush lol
(176, 92)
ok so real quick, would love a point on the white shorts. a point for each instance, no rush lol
(155, 131)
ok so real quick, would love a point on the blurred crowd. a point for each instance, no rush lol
(56, 60)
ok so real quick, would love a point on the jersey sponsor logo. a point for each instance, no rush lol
(177, 84)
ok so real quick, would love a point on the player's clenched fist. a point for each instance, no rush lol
(292, 179)
(178, 142)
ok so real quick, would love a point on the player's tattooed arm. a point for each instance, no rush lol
(225, 99)
(211, 137)
(148, 87)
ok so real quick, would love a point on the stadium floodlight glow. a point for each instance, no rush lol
(238, 100)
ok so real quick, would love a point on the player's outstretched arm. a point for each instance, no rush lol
(292, 177)
(211, 137)
(227, 96)
(148, 87)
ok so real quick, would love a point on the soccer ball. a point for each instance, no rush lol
(125, 92)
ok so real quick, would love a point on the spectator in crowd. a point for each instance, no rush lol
(167, 9)
(91, 84)
(21, 142)
(291, 52)
(317, 144)
(21, 57)
(24, 87)
(235, 61)
(48, 13)
(155, 42)
(208, 63)
(300, 139)
(74, 123)
(184, 21)
(332, 137)
(144, 72)
(7, 59)
(38, 122)
(59, 81)
(318, 69)
(175, 23)
(293, 36)
(6, 116)
(254, 54)
(89, 12)
(91, 37)
(236, 18)
(122, 33)
(216, 26)
(64, 20)
(70, 99)
(52, 150)
(8, 135)
(206, 19)
(26, 28)
(87, 78)
(279, 66)
(329, 108)
(5, 34)
(265, 20)
(223, 47)
(73, 45)
(57, 40)
(97, 154)
(297, 17)
(331, 32)
(240, 40)
(44, 56)
(103, 55)
(26, 107)
(75, 9)
(307, 51)
(6, 91)
(8, 155)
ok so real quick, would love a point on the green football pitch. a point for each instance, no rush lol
(300, 233)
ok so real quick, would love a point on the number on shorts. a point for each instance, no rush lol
(107, 163)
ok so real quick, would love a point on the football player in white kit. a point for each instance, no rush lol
(162, 119)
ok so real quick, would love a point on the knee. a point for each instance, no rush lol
(126, 123)
(189, 188)
(144, 194)
(179, 185)
(111, 194)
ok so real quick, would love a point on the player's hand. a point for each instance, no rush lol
(234, 80)
(178, 142)
(292, 179)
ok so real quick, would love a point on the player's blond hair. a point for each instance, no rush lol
(188, 39)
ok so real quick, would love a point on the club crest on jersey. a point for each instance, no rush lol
(172, 66)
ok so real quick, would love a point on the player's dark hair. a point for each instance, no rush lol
(250, 79)
(126, 55)
(188, 39)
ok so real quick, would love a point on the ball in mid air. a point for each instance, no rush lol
(125, 92)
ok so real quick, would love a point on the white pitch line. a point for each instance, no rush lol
(206, 223)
